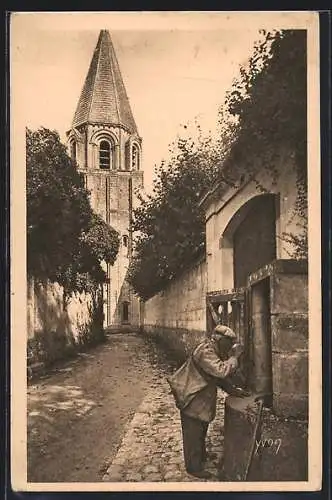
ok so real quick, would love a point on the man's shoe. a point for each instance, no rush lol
(201, 474)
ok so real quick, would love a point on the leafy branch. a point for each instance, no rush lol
(67, 241)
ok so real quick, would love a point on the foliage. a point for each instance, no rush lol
(264, 115)
(98, 244)
(58, 205)
(170, 221)
(66, 240)
(100, 241)
(269, 100)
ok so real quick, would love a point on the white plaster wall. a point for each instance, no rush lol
(46, 312)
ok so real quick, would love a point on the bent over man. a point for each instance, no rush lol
(211, 360)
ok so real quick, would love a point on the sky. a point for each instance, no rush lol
(176, 67)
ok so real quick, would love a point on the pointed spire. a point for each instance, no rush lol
(104, 98)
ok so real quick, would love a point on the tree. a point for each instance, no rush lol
(66, 240)
(264, 112)
(269, 101)
(100, 241)
(170, 222)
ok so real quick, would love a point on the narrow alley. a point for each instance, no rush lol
(107, 415)
(187, 226)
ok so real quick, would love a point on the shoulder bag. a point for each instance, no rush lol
(186, 382)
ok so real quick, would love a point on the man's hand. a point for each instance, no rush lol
(237, 350)
(240, 393)
(233, 363)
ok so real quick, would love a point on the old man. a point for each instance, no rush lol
(211, 365)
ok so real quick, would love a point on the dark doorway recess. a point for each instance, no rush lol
(125, 312)
(254, 241)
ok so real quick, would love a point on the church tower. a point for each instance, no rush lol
(106, 146)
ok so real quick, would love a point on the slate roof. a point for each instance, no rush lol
(104, 98)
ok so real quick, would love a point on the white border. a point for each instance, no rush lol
(178, 20)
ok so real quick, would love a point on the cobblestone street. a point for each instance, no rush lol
(108, 415)
(151, 449)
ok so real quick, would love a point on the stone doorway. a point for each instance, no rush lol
(254, 239)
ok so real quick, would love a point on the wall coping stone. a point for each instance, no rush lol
(279, 266)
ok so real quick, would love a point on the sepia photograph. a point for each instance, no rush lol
(165, 251)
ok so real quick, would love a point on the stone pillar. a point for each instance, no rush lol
(117, 157)
(289, 324)
(261, 338)
(280, 448)
(279, 292)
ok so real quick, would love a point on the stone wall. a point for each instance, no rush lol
(279, 335)
(177, 316)
(289, 335)
(58, 325)
(110, 197)
(278, 451)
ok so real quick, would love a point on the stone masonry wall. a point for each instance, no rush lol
(55, 328)
(177, 316)
(109, 198)
(286, 335)
(289, 330)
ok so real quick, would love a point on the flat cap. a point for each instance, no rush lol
(225, 330)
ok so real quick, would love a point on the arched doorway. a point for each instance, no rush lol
(247, 244)
(254, 239)
(125, 312)
(249, 240)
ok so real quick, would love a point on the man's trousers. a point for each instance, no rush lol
(193, 434)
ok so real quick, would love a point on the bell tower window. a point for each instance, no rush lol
(105, 155)
(135, 158)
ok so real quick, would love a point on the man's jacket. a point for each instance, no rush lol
(207, 361)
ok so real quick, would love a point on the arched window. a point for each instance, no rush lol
(125, 241)
(73, 150)
(105, 155)
(135, 158)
